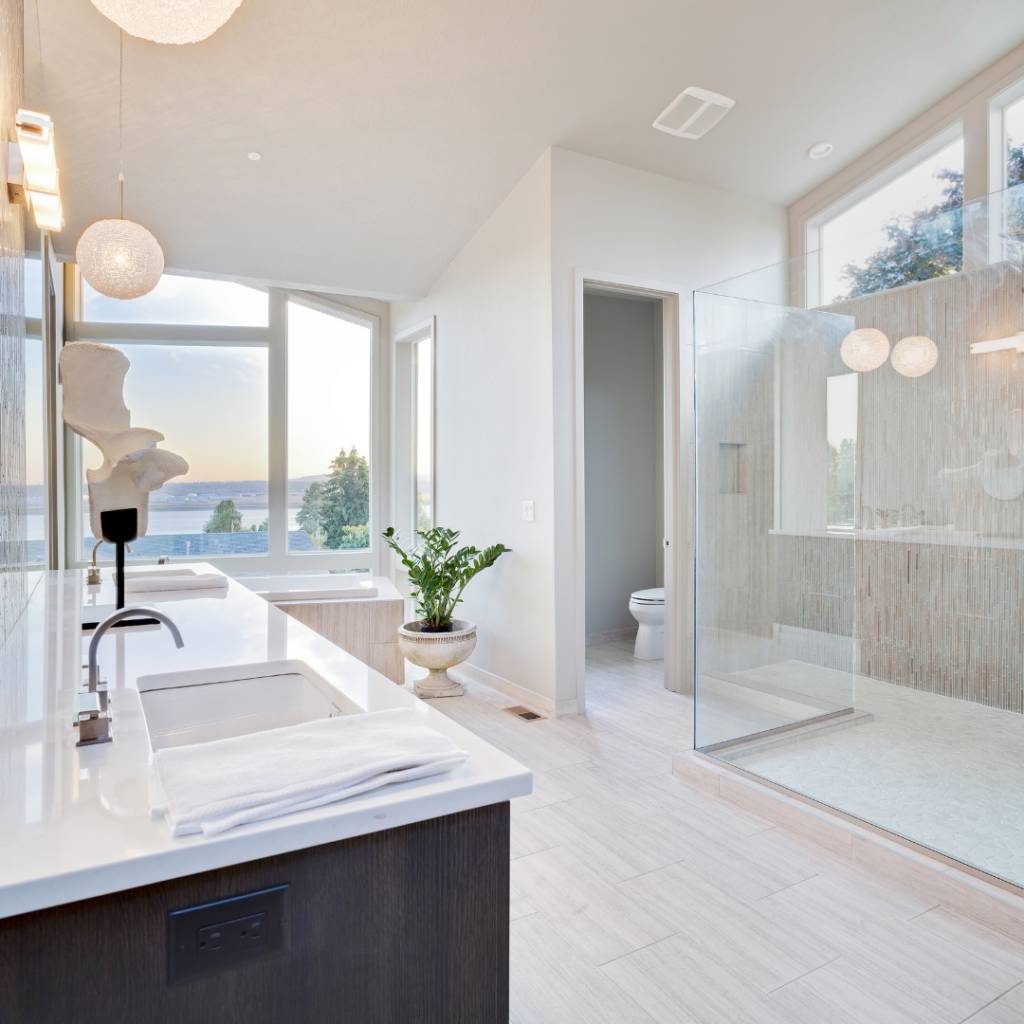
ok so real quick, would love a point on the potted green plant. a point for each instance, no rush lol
(439, 571)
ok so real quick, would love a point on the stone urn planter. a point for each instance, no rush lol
(437, 652)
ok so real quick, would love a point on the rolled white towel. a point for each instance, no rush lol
(211, 787)
(155, 584)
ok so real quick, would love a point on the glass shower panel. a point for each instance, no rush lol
(859, 627)
(774, 645)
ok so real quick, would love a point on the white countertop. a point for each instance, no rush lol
(75, 822)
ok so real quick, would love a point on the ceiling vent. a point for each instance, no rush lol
(693, 113)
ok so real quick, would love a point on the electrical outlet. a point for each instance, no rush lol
(528, 511)
(228, 933)
(224, 939)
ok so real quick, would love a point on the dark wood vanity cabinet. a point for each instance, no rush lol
(404, 926)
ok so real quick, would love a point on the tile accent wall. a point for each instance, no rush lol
(934, 599)
(13, 531)
(941, 607)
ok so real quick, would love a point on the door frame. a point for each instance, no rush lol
(678, 442)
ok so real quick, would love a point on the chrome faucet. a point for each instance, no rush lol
(113, 620)
(93, 720)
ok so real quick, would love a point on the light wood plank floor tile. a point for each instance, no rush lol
(518, 905)
(528, 836)
(546, 791)
(1007, 1009)
(599, 919)
(552, 983)
(679, 983)
(702, 912)
(733, 931)
(614, 848)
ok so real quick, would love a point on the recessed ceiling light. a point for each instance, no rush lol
(254, 155)
(820, 150)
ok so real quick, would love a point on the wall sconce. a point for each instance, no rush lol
(33, 178)
(998, 344)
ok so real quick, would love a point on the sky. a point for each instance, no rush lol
(854, 235)
(210, 402)
(328, 389)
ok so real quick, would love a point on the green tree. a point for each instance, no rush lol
(841, 465)
(346, 498)
(225, 519)
(929, 243)
(926, 244)
(1014, 164)
(311, 515)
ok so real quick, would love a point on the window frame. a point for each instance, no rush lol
(274, 337)
(814, 227)
(404, 427)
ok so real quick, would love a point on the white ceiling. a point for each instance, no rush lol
(389, 131)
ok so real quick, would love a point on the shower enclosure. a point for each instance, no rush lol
(859, 633)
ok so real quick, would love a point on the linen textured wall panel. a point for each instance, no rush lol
(940, 580)
(13, 526)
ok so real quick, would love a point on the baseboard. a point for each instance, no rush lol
(529, 699)
(991, 901)
(610, 636)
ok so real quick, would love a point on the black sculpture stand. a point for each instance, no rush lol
(120, 526)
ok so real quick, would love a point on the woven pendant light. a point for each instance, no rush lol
(864, 349)
(914, 356)
(168, 21)
(120, 258)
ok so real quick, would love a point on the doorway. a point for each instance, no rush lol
(632, 486)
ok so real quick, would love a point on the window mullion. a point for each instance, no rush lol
(277, 485)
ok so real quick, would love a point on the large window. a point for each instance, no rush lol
(210, 403)
(423, 424)
(414, 479)
(328, 430)
(897, 234)
(268, 399)
(1013, 123)
(841, 431)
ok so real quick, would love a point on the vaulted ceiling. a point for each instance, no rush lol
(389, 131)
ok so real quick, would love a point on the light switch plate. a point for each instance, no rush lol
(528, 511)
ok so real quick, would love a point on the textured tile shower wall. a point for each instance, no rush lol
(12, 338)
(935, 599)
(942, 608)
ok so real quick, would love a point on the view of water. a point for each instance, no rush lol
(169, 521)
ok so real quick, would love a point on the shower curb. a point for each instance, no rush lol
(984, 898)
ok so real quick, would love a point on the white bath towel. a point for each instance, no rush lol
(211, 787)
(156, 584)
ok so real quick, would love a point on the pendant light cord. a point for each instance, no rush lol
(120, 126)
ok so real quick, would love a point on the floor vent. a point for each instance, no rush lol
(524, 713)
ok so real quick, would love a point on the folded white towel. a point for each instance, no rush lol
(154, 584)
(211, 787)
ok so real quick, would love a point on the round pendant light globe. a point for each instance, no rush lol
(864, 349)
(914, 356)
(120, 258)
(168, 21)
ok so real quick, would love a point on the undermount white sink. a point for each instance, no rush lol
(212, 704)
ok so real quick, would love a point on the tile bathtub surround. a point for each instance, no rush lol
(725, 916)
(13, 527)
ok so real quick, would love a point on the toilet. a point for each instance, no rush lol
(648, 608)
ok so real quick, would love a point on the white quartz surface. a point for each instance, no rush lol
(75, 822)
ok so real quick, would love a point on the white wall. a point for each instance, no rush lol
(505, 375)
(623, 456)
(614, 219)
(494, 425)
